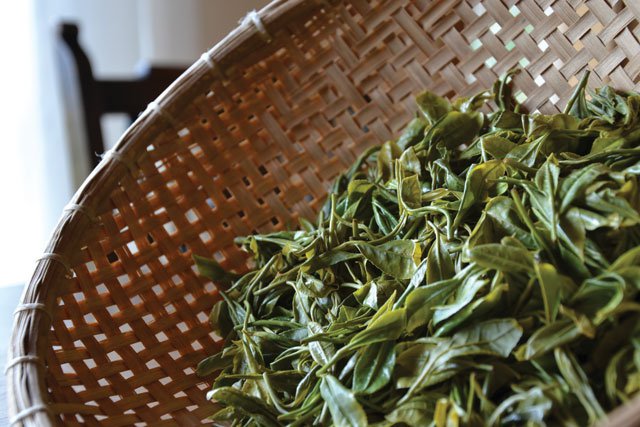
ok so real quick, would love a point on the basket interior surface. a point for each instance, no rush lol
(248, 141)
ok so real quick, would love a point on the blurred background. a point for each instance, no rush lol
(45, 154)
(44, 151)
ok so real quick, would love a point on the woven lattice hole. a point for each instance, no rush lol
(520, 96)
(91, 266)
(160, 166)
(141, 390)
(170, 308)
(196, 150)
(112, 257)
(510, 45)
(206, 237)
(543, 45)
(490, 62)
(67, 369)
(479, 9)
(191, 216)
(114, 356)
(78, 388)
(203, 317)
(152, 364)
(133, 248)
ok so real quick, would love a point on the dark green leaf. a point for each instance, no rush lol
(432, 106)
(500, 257)
(246, 404)
(374, 367)
(211, 269)
(345, 409)
(398, 258)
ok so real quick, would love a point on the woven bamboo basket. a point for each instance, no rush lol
(114, 320)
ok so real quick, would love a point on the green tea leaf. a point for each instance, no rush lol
(432, 106)
(502, 258)
(212, 364)
(547, 338)
(387, 155)
(245, 404)
(551, 288)
(398, 258)
(478, 181)
(421, 302)
(345, 409)
(374, 367)
(211, 269)
(389, 326)
(481, 269)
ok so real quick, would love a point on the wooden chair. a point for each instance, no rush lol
(99, 97)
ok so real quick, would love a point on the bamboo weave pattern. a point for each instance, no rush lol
(249, 142)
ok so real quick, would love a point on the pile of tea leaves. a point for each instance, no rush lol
(482, 269)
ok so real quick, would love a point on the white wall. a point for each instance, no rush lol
(181, 31)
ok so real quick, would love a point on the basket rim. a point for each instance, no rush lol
(25, 373)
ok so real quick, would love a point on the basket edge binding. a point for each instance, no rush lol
(26, 389)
